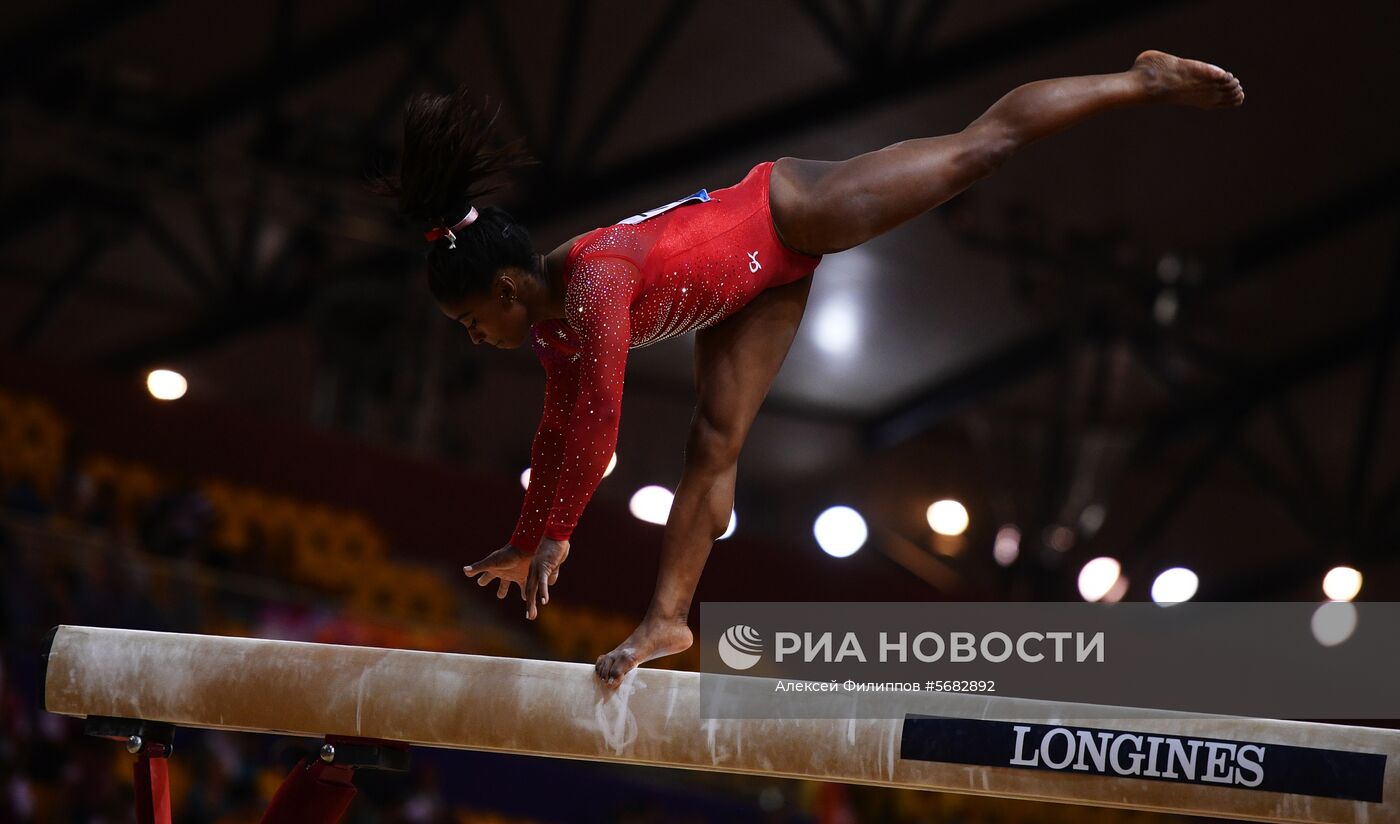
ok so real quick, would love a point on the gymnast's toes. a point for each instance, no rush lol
(1172, 79)
(612, 666)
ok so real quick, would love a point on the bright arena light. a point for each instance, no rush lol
(166, 384)
(837, 327)
(1341, 583)
(1007, 546)
(840, 531)
(651, 504)
(733, 524)
(1333, 622)
(1117, 591)
(525, 478)
(1097, 578)
(947, 517)
(1175, 585)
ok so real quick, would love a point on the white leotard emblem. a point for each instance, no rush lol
(701, 196)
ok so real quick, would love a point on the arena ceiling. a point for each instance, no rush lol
(1168, 332)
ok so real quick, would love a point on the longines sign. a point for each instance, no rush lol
(1357, 776)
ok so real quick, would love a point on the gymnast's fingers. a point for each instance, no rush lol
(504, 589)
(495, 560)
(531, 590)
(483, 565)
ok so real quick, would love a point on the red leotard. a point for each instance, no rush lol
(683, 267)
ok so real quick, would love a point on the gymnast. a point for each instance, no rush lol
(733, 265)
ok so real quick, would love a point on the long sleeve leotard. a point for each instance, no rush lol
(679, 268)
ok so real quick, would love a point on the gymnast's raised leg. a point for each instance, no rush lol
(822, 207)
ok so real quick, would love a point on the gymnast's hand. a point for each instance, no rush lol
(532, 573)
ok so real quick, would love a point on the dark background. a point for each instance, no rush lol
(1180, 322)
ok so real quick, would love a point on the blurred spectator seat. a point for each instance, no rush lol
(32, 443)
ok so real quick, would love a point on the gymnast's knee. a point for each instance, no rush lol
(711, 446)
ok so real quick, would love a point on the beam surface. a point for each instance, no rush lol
(560, 710)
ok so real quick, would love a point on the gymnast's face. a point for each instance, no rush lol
(497, 319)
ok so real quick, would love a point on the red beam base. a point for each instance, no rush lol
(318, 793)
(151, 776)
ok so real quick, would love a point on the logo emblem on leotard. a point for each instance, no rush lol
(701, 196)
(754, 265)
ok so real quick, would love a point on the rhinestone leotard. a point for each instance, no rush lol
(676, 269)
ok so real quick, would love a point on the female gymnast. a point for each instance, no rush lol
(733, 265)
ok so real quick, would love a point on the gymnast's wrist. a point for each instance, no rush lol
(524, 544)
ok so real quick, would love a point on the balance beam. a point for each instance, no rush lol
(1239, 768)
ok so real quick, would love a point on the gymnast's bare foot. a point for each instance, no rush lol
(1170, 79)
(655, 638)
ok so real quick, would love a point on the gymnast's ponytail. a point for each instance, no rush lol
(447, 157)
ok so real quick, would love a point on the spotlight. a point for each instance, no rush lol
(1007, 546)
(837, 327)
(1097, 578)
(166, 384)
(840, 531)
(652, 504)
(1117, 591)
(1342, 583)
(1174, 586)
(947, 517)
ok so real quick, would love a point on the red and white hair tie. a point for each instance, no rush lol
(450, 233)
